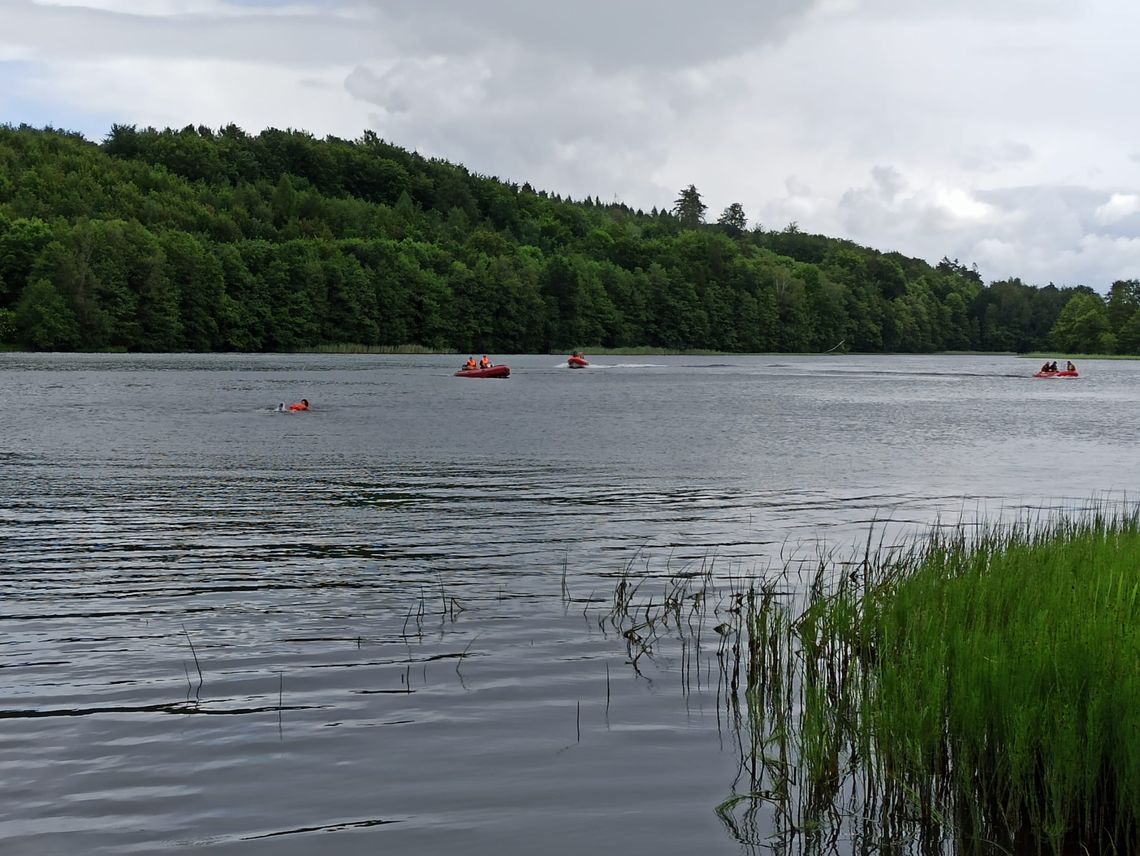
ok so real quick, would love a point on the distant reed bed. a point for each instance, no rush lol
(376, 349)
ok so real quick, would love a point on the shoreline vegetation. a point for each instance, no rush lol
(216, 240)
(979, 687)
(413, 350)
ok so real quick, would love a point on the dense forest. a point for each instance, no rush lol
(203, 240)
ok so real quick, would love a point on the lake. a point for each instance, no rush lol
(378, 626)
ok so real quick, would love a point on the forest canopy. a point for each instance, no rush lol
(218, 240)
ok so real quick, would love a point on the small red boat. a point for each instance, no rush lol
(1072, 373)
(576, 361)
(493, 371)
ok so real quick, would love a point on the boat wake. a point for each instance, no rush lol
(613, 366)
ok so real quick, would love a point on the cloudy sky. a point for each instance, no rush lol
(998, 132)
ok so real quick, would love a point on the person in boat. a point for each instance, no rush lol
(1069, 367)
(470, 365)
(1045, 367)
(485, 363)
(303, 404)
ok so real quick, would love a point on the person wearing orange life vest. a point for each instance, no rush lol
(484, 363)
(303, 404)
(470, 365)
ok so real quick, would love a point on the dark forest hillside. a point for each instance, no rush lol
(202, 240)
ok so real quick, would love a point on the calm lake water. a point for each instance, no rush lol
(376, 627)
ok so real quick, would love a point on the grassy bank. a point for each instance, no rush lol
(658, 352)
(374, 349)
(1052, 355)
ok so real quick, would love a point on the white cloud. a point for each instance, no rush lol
(1118, 258)
(1119, 206)
(158, 8)
(891, 209)
(139, 91)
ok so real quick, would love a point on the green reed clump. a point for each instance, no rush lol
(1003, 672)
(979, 690)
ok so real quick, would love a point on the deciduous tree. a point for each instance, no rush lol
(1082, 325)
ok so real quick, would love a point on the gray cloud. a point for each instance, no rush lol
(568, 130)
(988, 130)
(602, 33)
(988, 157)
(73, 33)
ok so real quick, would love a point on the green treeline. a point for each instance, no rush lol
(201, 240)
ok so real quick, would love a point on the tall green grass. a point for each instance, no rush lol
(978, 690)
(1004, 672)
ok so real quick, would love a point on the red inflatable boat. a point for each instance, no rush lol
(1072, 373)
(493, 371)
(576, 362)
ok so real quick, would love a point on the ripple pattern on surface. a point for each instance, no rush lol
(242, 631)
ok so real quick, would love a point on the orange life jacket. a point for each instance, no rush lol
(298, 405)
(484, 363)
(471, 364)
